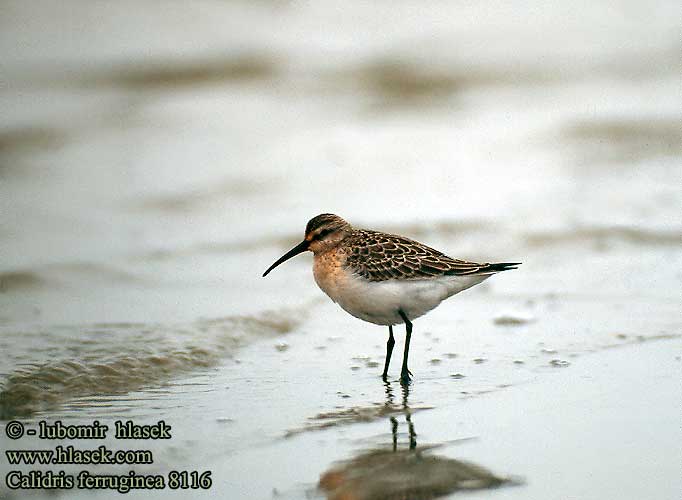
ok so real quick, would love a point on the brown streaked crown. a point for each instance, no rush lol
(327, 223)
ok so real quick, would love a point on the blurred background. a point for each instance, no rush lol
(157, 144)
(157, 156)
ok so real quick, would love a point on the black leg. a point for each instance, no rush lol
(389, 350)
(405, 372)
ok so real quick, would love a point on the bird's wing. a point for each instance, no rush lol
(380, 256)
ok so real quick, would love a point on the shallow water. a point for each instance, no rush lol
(153, 165)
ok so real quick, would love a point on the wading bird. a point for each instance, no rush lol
(383, 278)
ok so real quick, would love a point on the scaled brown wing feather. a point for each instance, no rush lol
(380, 256)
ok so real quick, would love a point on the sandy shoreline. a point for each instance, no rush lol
(154, 161)
(598, 429)
(609, 427)
(605, 427)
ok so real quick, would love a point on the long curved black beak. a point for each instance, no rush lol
(300, 248)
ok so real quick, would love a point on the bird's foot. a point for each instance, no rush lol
(405, 377)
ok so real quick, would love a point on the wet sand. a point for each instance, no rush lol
(596, 430)
(151, 171)
(283, 413)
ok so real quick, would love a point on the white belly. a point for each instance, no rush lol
(378, 302)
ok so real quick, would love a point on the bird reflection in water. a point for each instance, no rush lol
(404, 473)
(390, 402)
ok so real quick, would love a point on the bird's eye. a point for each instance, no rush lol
(323, 233)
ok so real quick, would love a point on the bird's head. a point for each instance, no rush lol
(322, 233)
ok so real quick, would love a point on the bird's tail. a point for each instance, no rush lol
(501, 266)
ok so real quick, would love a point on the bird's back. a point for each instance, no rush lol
(377, 256)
